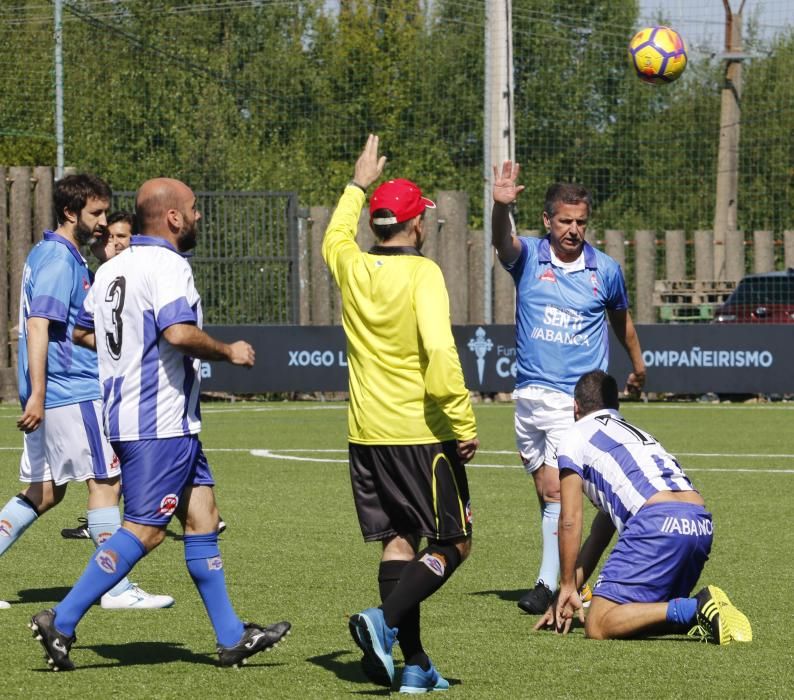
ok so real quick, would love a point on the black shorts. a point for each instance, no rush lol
(410, 490)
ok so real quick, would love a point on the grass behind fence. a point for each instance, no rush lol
(293, 551)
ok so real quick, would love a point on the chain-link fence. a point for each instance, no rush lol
(252, 95)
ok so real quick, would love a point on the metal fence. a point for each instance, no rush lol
(246, 260)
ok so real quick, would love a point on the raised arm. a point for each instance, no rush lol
(505, 192)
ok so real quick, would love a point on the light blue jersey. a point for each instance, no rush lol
(561, 329)
(55, 281)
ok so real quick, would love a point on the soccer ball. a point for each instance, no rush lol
(658, 55)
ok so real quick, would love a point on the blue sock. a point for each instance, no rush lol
(16, 517)
(203, 559)
(102, 523)
(108, 565)
(682, 611)
(550, 562)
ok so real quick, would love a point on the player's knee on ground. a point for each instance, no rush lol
(593, 626)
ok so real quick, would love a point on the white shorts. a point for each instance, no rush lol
(69, 445)
(542, 416)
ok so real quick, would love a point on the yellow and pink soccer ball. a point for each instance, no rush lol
(658, 55)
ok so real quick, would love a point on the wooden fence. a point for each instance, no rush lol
(670, 277)
(26, 211)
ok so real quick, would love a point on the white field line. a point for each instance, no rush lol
(289, 455)
(288, 451)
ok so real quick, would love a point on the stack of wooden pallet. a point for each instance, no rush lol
(689, 300)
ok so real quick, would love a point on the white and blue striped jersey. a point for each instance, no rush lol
(149, 389)
(561, 331)
(621, 465)
(55, 280)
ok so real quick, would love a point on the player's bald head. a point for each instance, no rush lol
(155, 198)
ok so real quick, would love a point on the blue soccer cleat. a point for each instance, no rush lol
(415, 680)
(376, 639)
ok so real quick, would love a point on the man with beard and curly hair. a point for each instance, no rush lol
(59, 384)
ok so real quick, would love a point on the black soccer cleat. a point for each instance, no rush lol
(77, 533)
(536, 601)
(56, 645)
(221, 524)
(254, 640)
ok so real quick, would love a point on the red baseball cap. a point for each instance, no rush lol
(402, 197)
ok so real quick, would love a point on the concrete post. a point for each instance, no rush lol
(645, 276)
(320, 277)
(788, 249)
(615, 246)
(476, 276)
(43, 209)
(734, 257)
(763, 251)
(453, 208)
(704, 255)
(675, 255)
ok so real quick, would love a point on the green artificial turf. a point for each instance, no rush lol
(293, 551)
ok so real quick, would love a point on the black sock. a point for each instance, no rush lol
(408, 635)
(421, 577)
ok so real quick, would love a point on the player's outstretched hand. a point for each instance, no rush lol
(505, 189)
(369, 165)
(467, 449)
(241, 353)
(32, 416)
(568, 604)
(547, 620)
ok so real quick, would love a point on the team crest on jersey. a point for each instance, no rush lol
(548, 276)
(215, 563)
(168, 504)
(107, 560)
(469, 517)
(115, 463)
(86, 284)
(6, 528)
(435, 562)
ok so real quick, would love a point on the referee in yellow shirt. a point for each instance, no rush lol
(411, 426)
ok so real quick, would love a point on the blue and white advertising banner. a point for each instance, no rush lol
(681, 359)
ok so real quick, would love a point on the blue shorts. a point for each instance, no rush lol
(659, 556)
(156, 472)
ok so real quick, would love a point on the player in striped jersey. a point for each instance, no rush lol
(664, 531)
(143, 317)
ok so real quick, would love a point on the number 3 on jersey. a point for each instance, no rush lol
(115, 296)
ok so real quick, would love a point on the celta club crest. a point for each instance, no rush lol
(480, 345)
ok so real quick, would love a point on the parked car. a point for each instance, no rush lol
(762, 298)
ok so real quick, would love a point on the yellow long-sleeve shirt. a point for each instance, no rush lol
(406, 383)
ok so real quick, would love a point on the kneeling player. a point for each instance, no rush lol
(664, 531)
